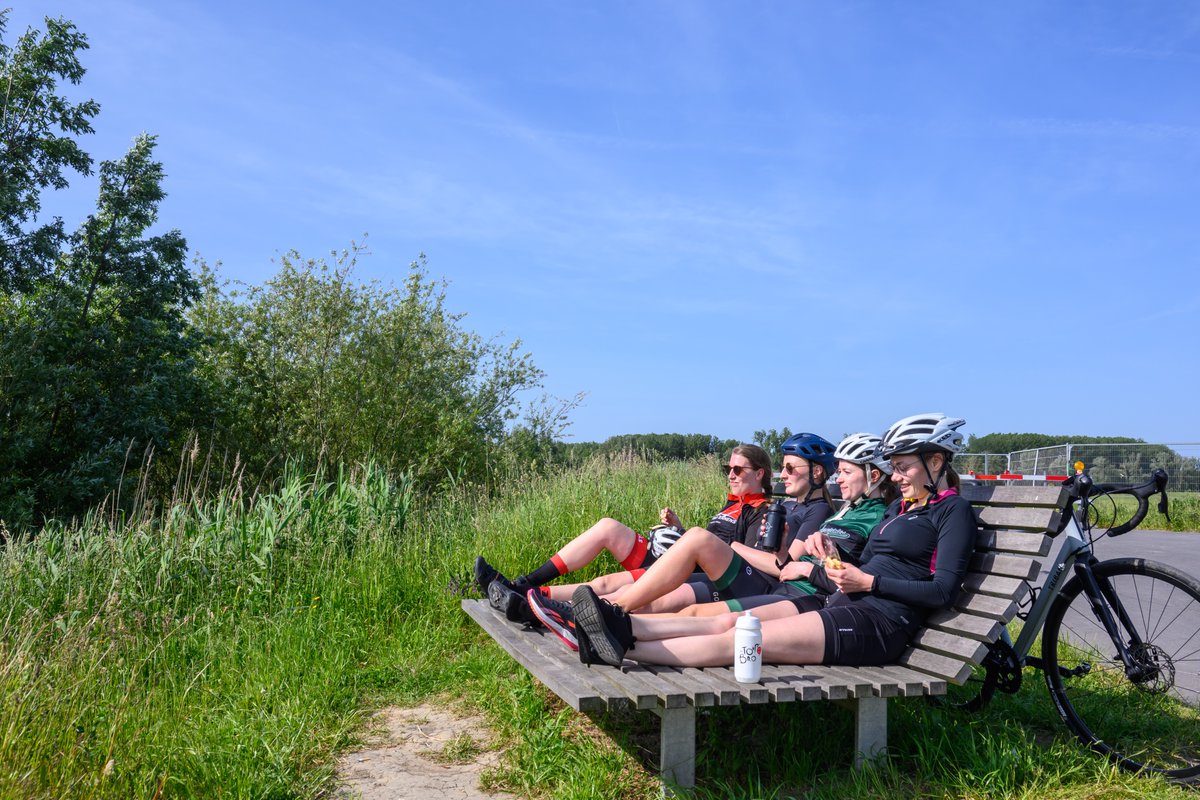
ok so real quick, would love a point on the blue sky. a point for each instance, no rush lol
(712, 217)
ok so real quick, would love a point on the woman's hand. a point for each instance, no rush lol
(795, 570)
(819, 545)
(669, 517)
(850, 578)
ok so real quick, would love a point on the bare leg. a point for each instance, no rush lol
(607, 534)
(791, 640)
(650, 627)
(604, 585)
(696, 548)
(677, 599)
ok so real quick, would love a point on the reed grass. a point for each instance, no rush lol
(232, 647)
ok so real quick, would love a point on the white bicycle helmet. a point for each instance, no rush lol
(923, 433)
(661, 538)
(862, 449)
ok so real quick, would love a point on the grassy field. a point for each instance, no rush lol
(232, 647)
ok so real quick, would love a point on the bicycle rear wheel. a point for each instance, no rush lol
(1152, 720)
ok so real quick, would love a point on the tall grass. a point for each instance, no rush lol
(230, 647)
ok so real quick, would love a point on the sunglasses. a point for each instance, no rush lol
(792, 469)
(737, 469)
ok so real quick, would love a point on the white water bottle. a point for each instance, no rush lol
(747, 649)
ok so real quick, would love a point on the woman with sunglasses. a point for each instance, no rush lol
(863, 479)
(703, 568)
(748, 472)
(913, 563)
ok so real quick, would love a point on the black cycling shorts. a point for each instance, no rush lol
(856, 636)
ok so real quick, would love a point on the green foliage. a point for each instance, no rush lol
(36, 144)
(1011, 442)
(232, 646)
(316, 367)
(771, 440)
(663, 446)
(95, 359)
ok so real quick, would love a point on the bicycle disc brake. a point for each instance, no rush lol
(1153, 671)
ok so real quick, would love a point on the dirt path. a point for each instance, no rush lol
(419, 753)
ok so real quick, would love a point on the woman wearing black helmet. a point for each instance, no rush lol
(913, 563)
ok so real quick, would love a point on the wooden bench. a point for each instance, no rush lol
(1016, 525)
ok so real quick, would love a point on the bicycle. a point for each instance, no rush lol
(1120, 642)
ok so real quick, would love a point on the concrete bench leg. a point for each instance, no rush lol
(870, 730)
(678, 744)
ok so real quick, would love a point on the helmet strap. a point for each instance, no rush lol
(931, 487)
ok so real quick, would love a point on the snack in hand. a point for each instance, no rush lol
(833, 562)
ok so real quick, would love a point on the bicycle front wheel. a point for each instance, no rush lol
(1148, 719)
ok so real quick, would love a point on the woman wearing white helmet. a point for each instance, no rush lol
(702, 568)
(913, 563)
(862, 477)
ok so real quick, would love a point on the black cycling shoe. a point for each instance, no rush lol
(512, 604)
(587, 653)
(608, 629)
(485, 573)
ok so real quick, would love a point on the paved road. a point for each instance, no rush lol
(1180, 550)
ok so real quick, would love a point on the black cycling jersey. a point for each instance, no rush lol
(918, 557)
(738, 520)
(803, 518)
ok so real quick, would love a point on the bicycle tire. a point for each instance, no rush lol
(1152, 723)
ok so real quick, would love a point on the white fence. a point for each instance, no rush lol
(1106, 463)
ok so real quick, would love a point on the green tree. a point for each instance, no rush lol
(315, 367)
(95, 359)
(37, 126)
(771, 440)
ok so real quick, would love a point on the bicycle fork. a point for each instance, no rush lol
(1110, 612)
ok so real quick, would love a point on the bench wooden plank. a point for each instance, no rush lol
(996, 585)
(998, 608)
(1010, 566)
(1022, 518)
(964, 624)
(942, 666)
(984, 495)
(1033, 544)
(950, 644)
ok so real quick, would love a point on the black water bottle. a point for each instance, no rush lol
(773, 535)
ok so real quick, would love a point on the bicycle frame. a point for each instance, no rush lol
(1075, 557)
(1061, 570)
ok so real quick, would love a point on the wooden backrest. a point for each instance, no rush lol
(1015, 528)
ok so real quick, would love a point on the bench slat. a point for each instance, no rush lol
(1009, 566)
(996, 585)
(963, 624)
(981, 495)
(950, 644)
(998, 608)
(942, 666)
(1022, 518)
(1033, 544)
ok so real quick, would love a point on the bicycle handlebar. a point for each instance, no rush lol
(1081, 487)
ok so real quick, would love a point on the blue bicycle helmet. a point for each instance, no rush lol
(811, 447)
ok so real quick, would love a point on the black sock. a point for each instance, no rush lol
(543, 574)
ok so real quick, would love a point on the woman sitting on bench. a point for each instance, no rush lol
(913, 563)
(862, 477)
(808, 460)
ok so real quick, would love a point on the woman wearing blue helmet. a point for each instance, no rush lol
(701, 568)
